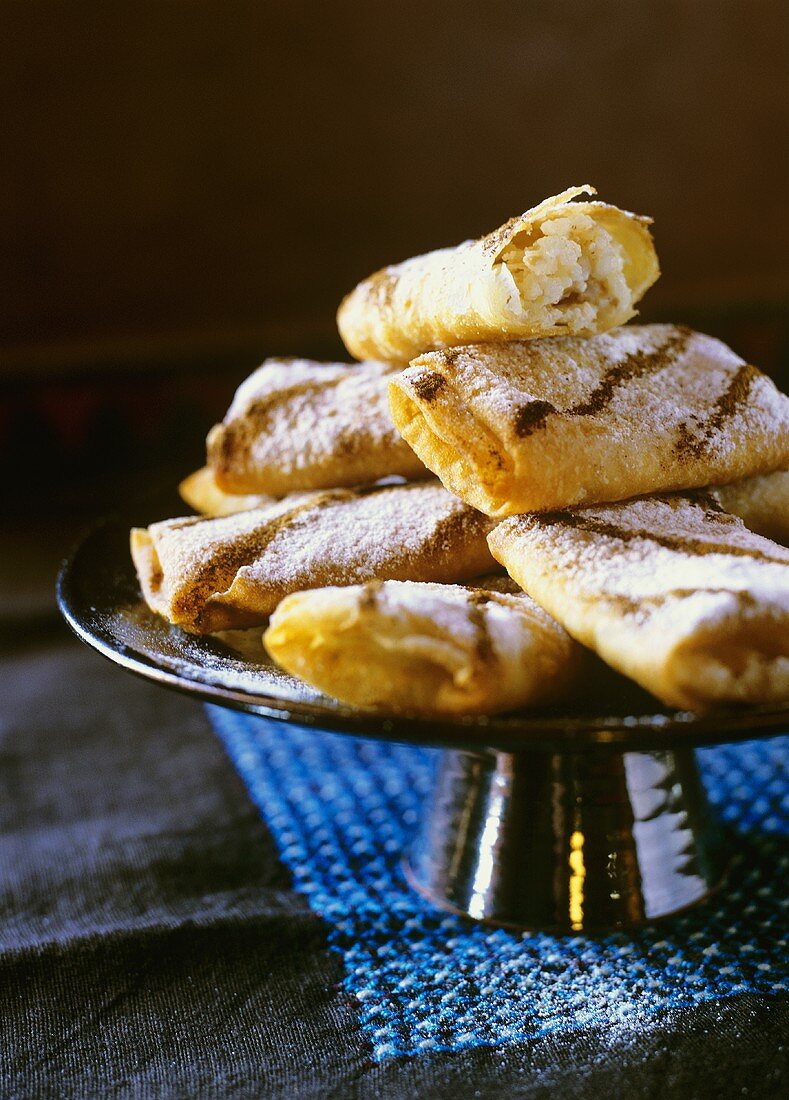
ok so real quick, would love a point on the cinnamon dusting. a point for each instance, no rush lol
(428, 385)
(531, 417)
(691, 546)
(692, 444)
(483, 645)
(634, 365)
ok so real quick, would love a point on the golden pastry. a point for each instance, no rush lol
(532, 425)
(430, 649)
(296, 425)
(201, 492)
(561, 268)
(232, 571)
(671, 591)
(762, 503)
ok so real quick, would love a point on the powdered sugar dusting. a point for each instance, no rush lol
(250, 560)
(670, 590)
(297, 424)
(568, 421)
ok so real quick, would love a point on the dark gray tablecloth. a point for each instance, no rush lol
(151, 945)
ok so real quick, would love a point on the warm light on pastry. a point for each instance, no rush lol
(671, 591)
(201, 492)
(232, 571)
(561, 268)
(531, 425)
(429, 649)
(762, 503)
(295, 425)
(617, 456)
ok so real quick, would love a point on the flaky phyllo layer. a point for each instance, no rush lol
(428, 649)
(201, 492)
(562, 268)
(568, 274)
(296, 425)
(233, 570)
(669, 590)
(525, 426)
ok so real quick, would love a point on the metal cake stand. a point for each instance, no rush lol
(588, 815)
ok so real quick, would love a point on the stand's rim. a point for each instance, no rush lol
(514, 732)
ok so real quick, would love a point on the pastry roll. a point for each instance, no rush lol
(670, 590)
(431, 649)
(533, 425)
(762, 503)
(296, 425)
(232, 571)
(562, 268)
(201, 492)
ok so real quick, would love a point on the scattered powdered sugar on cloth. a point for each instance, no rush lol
(342, 811)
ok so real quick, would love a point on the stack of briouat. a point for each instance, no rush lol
(630, 480)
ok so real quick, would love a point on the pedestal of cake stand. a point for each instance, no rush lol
(566, 841)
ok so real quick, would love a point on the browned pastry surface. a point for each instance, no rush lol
(562, 267)
(431, 649)
(297, 424)
(211, 574)
(669, 590)
(532, 425)
(761, 502)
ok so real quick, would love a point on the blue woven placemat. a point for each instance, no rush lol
(342, 811)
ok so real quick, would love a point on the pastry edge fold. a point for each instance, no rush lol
(719, 641)
(428, 649)
(585, 265)
(529, 452)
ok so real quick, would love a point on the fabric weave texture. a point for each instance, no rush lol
(342, 810)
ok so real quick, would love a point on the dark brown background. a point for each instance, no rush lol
(187, 186)
(184, 175)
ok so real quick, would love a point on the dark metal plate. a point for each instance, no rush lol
(99, 597)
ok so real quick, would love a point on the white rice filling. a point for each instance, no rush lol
(570, 275)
